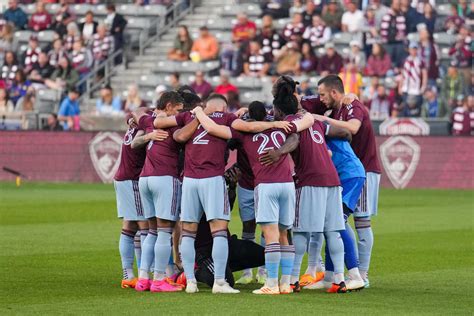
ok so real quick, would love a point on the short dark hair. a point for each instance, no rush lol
(191, 99)
(218, 97)
(332, 82)
(284, 98)
(89, 12)
(111, 7)
(176, 74)
(257, 111)
(203, 28)
(172, 97)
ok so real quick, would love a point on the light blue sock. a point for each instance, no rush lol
(272, 262)
(220, 253)
(148, 254)
(162, 252)
(314, 254)
(336, 251)
(126, 249)
(250, 237)
(300, 240)
(138, 247)
(286, 262)
(365, 244)
(261, 269)
(188, 253)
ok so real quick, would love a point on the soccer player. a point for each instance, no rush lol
(355, 118)
(160, 191)
(204, 186)
(318, 193)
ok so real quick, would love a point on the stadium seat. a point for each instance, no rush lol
(342, 38)
(252, 10)
(49, 95)
(153, 10)
(81, 9)
(53, 8)
(250, 96)
(247, 83)
(443, 9)
(28, 8)
(46, 36)
(444, 39)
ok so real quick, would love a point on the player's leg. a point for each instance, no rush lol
(126, 249)
(315, 267)
(354, 281)
(143, 225)
(300, 241)
(261, 272)
(247, 215)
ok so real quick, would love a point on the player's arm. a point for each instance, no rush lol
(305, 122)
(337, 132)
(273, 155)
(259, 126)
(210, 126)
(352, 125)
(141, 139)
(349, 98)
(185, 133)
(165, 121)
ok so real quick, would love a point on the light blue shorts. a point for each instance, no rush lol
(129, 204)
(318, 209)
(275, 203)
(161, 197)
(246, 204)
(369, 198)
(208, 195)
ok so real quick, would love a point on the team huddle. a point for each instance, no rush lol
(302, 170)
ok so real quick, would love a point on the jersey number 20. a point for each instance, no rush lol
(265, 139)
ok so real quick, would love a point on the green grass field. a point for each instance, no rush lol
(59, 255)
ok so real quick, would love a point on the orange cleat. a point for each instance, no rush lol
(307, 279)
(319, 276)
(129, 283)
(338, 288)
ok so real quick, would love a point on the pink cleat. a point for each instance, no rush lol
(164, 286)
(143, 285)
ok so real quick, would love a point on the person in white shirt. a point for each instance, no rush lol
(353, 20)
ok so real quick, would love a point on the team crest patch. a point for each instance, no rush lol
(400, 156)
(104, 150)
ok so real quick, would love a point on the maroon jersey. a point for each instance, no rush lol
(246, 179)
(256, 144)
(463, 122)
(204, 153)
(131, 160)
(313, 165)
(363, 142)
(313, 104)
(161, 156)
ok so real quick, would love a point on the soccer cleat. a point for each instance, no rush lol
(366, 283)
(181, 279)
(307, 279)
(319, 276)
(223, 289)
(170, 281)
(266, 290)
(355, 285)
(261, 278)
(338, 288)
(244, 279)
(318, 285)
(296, 287)
(192, 287)
(129, 283)
(143, 285)
(164, 286)
(286, 289)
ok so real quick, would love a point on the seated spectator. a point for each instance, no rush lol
(429, 54)
(463, 117)
(352, 21)
(453, 22)
(19, 86)
(413, 82)
(53, 124)
(27, 102)
(202, 88)
(182, 45)
(30, 56)
(332, 16)
(205, 47)
(81, 58)
(63, 77)
(357, 56)
(69, 111)
(295, 29)
(310, 10)
(393, 32)
(174, 81)
(6, 39)
(317, 33)
(133, 100)
(232, 58)
(304, 88)
(461, 52)
(62, 18)
(381, 105)
(256, 65)
(370, 30)
(233, 101)
(9, 68)
(288, 63)
(225, 86)
(412, 17)
(379, 63)
(102, 44)
(16, 15)
(41, 71)
(89, 28)
(244, 30)
(331, 62)
(41, 19)
(453, 85)
(429, 17)
(269, 38)
(56, 53)
(108, 104)
(6, 105)
(277, 9)
(380, 10)
(72, 36)
(430, 106)
(297, 7)
(309, 61)
(370, 91)
(352, 79)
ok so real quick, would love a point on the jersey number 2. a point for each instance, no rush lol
(198, 140)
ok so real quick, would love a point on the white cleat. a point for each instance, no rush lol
(223, 289)
(245, 279)
(285, 289)
(355, 285)
(192, 287)
(320, 285)
(266, 290)
(261, 277)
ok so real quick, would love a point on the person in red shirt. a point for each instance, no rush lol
(225, 86)
(462, 118)
(41, 19)
(244, 30)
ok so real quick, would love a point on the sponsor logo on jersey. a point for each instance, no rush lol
(404, 126)
(400, 156)
(104, 150)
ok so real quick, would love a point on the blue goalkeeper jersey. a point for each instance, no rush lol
(347, 164)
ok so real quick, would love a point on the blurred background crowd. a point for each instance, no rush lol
(402, 58)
